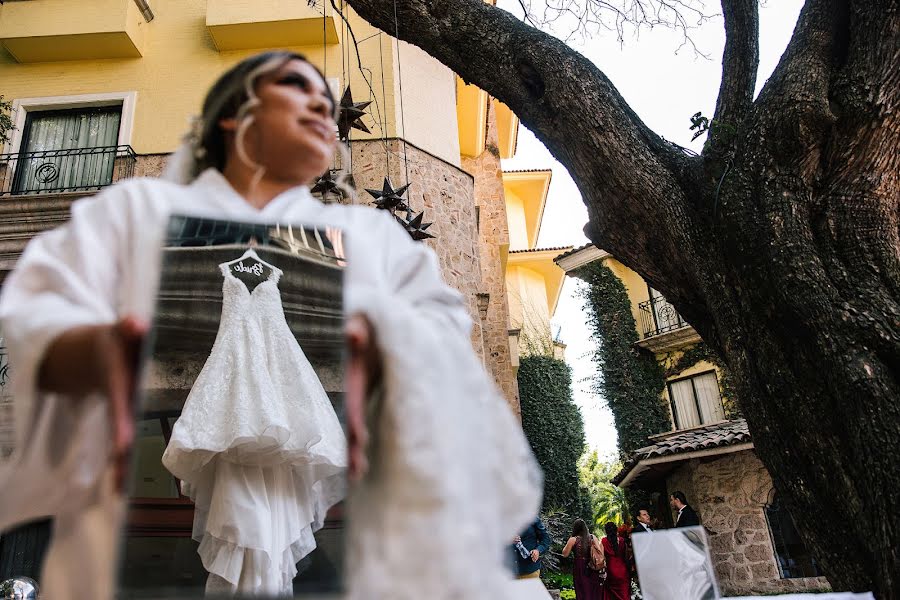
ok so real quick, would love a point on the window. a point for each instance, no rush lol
(793, 559)
(67, 150)
(696, 401)
(68, 143)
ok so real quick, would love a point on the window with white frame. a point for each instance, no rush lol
(696, 400)
(68, 143)
(68, 150)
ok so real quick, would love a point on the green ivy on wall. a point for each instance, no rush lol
(630, 379)
(553, 426)
(6, 122)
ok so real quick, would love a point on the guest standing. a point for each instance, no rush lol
(687, 516)
(586, 580)
(618, 581)
(537, 542)
(643, 522)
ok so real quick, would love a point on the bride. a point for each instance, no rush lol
(441, 475)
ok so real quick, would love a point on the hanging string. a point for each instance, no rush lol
(324, 44)
(400, 85)
(387, 153)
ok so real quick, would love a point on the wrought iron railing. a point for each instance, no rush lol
(6, 412)
(66, 170)
(658, 317)
(4, 368)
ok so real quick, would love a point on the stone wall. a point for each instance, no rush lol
(730, 493)
(493, 239)
(446, 194)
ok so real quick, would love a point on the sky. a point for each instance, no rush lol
(665, 85)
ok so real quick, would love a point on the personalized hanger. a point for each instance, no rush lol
(250, 263)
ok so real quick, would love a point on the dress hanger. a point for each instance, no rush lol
(251, 253)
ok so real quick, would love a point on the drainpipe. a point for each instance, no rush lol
(145, 9)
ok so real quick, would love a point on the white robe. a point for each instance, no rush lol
(451, 478)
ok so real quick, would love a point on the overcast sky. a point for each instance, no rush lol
(665, 85)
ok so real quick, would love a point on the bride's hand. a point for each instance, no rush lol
(363, 367)
(100, 359)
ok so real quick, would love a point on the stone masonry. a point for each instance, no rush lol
(730, 492)
(445, 193)
(494, 235)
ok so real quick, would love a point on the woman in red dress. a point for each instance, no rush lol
(618, 580)
(587, 582)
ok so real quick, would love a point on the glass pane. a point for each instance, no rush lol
(151, 479)
(794, 560)
(711, 409)
(162, 566)
(169, 567)
(682, 394)
(68, 150)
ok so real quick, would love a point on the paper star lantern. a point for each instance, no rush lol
(326, 186)
(388, 198)
(350, 115)
(416, 228)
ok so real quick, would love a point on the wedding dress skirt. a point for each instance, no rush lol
(258, 447)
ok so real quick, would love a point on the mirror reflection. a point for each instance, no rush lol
(239, 465)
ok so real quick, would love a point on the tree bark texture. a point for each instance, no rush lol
(779, 243)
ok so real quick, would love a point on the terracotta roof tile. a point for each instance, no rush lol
(574, 250)
(726, 433)
(540, 250)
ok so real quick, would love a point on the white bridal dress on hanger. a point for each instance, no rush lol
(258, 446)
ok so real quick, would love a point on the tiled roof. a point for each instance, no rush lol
(574, 250)
(541, 250)
(717, 435)
(528, 171)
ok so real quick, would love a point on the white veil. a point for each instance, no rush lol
(182, 165)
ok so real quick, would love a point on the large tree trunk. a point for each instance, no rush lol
(779, 244)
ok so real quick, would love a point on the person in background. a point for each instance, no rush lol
(618, 573)
(536, 542)
(642, 523)
(687, 516)
(586, 580)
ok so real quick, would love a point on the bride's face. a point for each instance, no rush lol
(293, 132)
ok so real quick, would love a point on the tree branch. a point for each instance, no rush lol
(799, 88)
(625, 172)
(740, 62)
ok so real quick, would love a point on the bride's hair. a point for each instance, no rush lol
(233, 95)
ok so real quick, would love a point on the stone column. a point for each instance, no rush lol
(493, 243)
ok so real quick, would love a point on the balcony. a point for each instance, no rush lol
(37, 190)
(248, 24)
(59, 30)
(68, 170)
(662, 328)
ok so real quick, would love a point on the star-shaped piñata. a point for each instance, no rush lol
(415, 228)
(388, 198)
(350, 115)
(327, 186)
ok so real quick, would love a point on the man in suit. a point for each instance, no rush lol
(642, 524)
(536, 542)
(687, 516)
